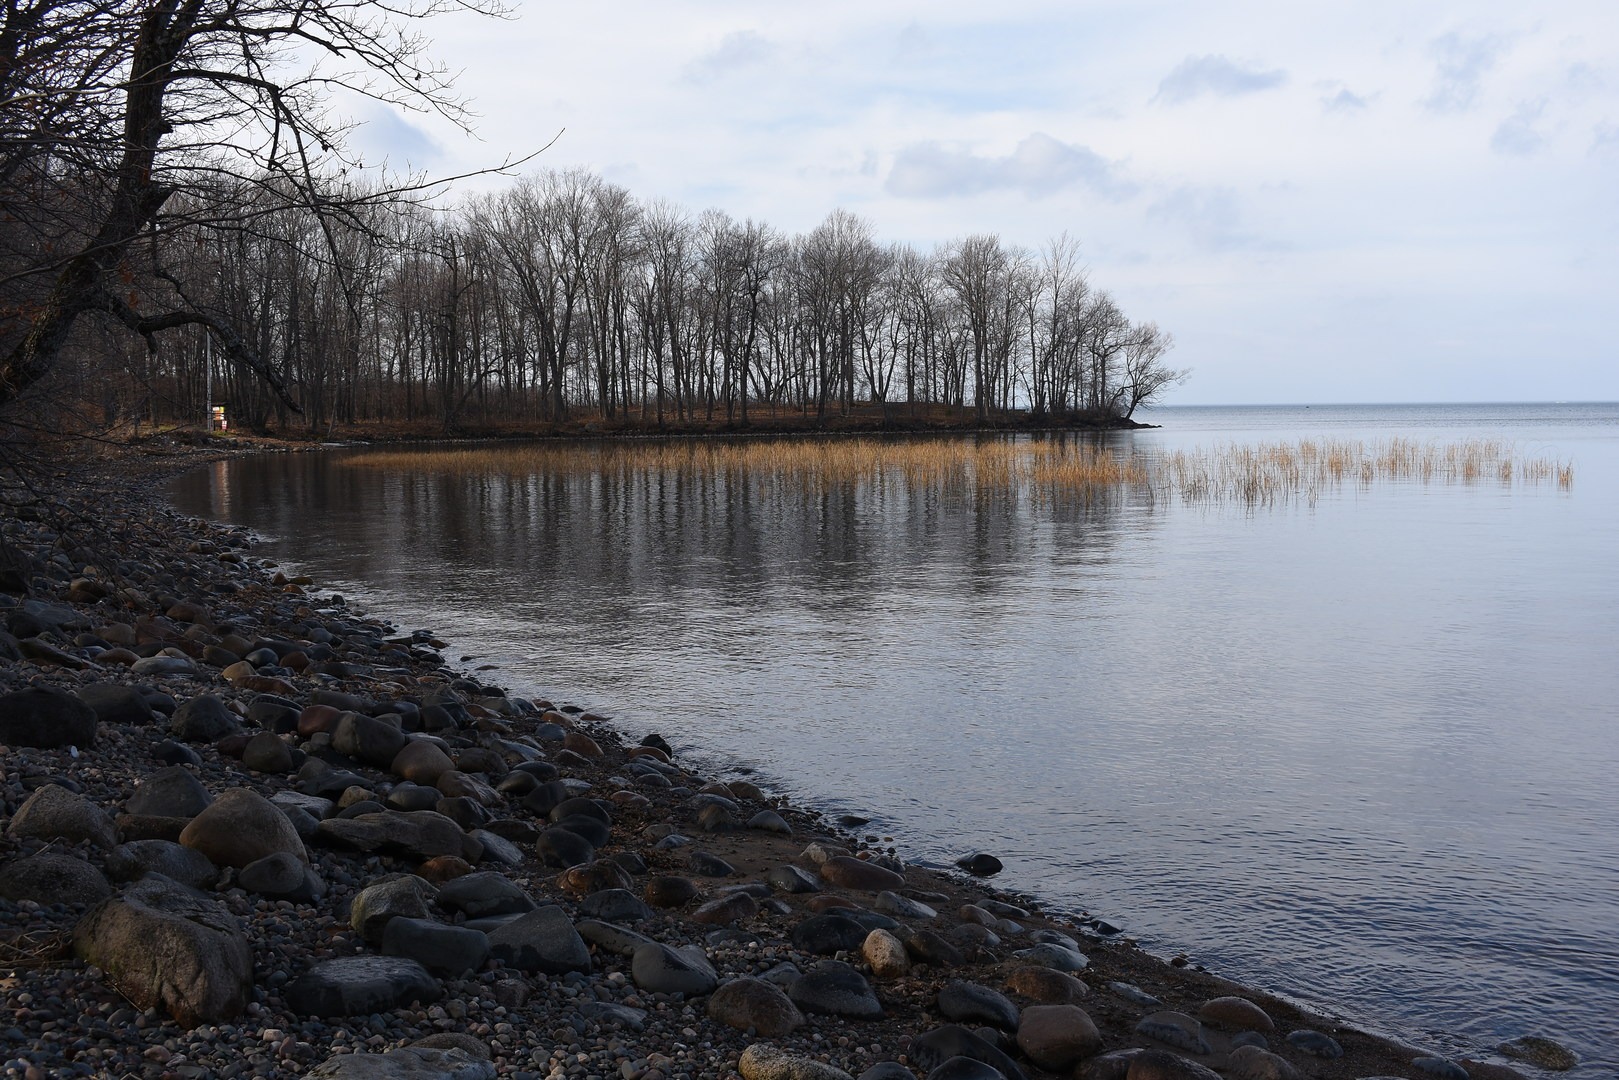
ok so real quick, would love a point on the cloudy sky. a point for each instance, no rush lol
(1377, 201)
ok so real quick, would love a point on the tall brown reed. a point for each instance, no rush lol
(1248, 475)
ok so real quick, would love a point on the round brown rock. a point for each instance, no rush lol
(242, 827)
(421, 762)
(848, 872)
(1046, 985)
(749, 1003)
(725, 910)
(670, 891)
(1162, 1065)
(1056, 1037)
(1254, 1063)
(1235, 1014)
(581, 744)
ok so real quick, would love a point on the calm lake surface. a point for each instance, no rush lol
(1360, 749)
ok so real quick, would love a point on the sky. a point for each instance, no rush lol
(1322, 202)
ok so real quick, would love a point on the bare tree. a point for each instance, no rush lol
(112, 107)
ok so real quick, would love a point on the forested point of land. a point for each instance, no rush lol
(181, 229)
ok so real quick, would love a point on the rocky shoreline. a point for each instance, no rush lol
(250, 832)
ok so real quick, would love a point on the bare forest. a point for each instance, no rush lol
(180, 227)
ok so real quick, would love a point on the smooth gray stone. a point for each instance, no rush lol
(408, 797)
(874, 920)
(163, 665)
(1315, 1044)
(444, 950)
(606, 1012)
(1053, 937)
(615, 905)
(964, 1068)
(659, 969)
(404, 896)
(115, 703)
(360, 985)
(55, 813)
(541, 940)
(827, 934)
(790, 879)
(405, 1063)
(46, 717)
(53, 877)
(497, 849)
(312, 805)
(204, 718)
(281, 876)
(834, 987)
(171, 792)
(562, 848)
(485, 893)
(420, 835)
(595, 832)
(1443, 1068)
(706, 865)
(615, 939)
(952, 1040)
(1056, 957)
(1178, 1029)
(888, 1070)
(968, 1002)
(490, 923)
(579, 806)
(136, 859)
(770, 821)
(892, 903)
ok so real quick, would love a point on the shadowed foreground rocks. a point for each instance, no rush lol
(251, 832)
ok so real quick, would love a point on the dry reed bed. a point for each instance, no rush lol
(1249, 475)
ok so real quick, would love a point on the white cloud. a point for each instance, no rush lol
(1460, 64)
(736, 53)
(1197, 76)
(1345, 100)
(1039, 166)
(1519, 135)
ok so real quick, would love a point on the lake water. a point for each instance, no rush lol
(1360, 749)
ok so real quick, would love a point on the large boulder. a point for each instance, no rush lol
(46, 717)
(242, 827)
(165, 945)
(55, 813)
